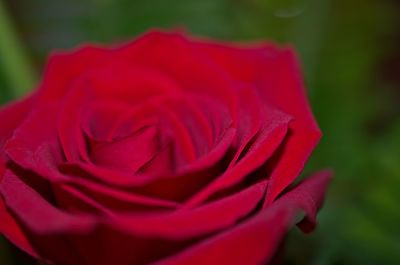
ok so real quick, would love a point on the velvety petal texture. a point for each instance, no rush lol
(165, 150)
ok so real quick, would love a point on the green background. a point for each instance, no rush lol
(350, 51)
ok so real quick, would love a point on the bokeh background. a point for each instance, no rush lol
(350, 50)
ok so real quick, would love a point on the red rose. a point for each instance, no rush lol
(165, 150)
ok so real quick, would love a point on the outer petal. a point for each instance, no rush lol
(277, 75)
(175, 55)
(11, 116)
(192, 223)
(67, 238)
(289, 94)
(37, 217)
(262, 234)
(63, 68)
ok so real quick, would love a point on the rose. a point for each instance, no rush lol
(166, 150)
(163, 150)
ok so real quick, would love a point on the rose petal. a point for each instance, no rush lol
(31, 137)
(128, 154)
(131, 86)
(276, 73)
(117, 200)
(64, 67)
(305, 133)
(35, 147)
(262, 234)
(269, 139)
(39, 217)
(175, 188)
(10, 116)
(189, 223)
(174, 55)
(13, 231)
(50, 227)
(36, 212)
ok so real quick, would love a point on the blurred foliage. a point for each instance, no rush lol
(16, 66)
(350, 51)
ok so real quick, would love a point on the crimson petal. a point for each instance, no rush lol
(276, 74)
(261, 234)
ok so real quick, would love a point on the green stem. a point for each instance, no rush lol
(15, 64)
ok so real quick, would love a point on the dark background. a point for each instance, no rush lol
(350, 51)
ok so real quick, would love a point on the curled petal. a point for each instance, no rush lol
(47, 225)
(261, 234)
(270, 137)
(276, 74)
